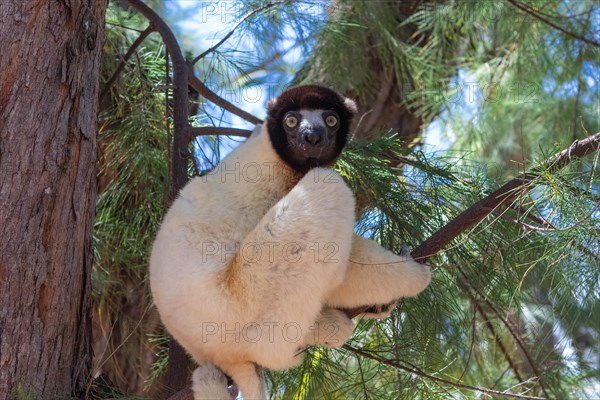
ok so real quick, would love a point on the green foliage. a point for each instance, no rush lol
(134, 184)
(159, 367)
(520, 82)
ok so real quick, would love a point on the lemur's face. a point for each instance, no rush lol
(308, 126)
(311, 135)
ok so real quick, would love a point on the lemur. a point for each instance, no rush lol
(253, 261)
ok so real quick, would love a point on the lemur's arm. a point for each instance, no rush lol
(377, 276)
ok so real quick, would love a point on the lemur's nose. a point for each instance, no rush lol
(313, 137)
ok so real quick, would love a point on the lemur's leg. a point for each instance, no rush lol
(304, 242)
(300, 248)
(376, 276)
(208, 382)
(249, 378)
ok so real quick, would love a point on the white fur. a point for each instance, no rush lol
(252, 259)
(210, 383)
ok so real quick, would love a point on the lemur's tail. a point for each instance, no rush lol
(209, 382)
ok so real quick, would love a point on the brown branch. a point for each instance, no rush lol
(517, 339)
(205, 91)
(213, 130)
(499, 342)
(265, 63)
(547, 226)
(419, 372)
(211, 96)
(472, 292)
(480, 210)
(124, 61)
(474, 214)
(505, 194)
(536, 15)
(180, 90)
(228, 35)
(176, 371)
(384, 94)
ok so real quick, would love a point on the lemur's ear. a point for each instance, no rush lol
(271, 104)
(351, 105)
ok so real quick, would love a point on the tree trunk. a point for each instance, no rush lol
(49, 66)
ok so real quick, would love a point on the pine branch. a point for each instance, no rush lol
(419, 372)
(176, 375)
(265, 63)
(211, 96)
(506, 194)
(488, 323)
(546, 226)
(240, 22)
(124, 61)
(213, 130)
(537, 16)
(475, 294)
(180, 93)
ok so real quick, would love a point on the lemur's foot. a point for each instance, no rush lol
(333, 328)
(380, 311)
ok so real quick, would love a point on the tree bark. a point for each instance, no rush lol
(48, 106)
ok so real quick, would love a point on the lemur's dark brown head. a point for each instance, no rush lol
(308, 126)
